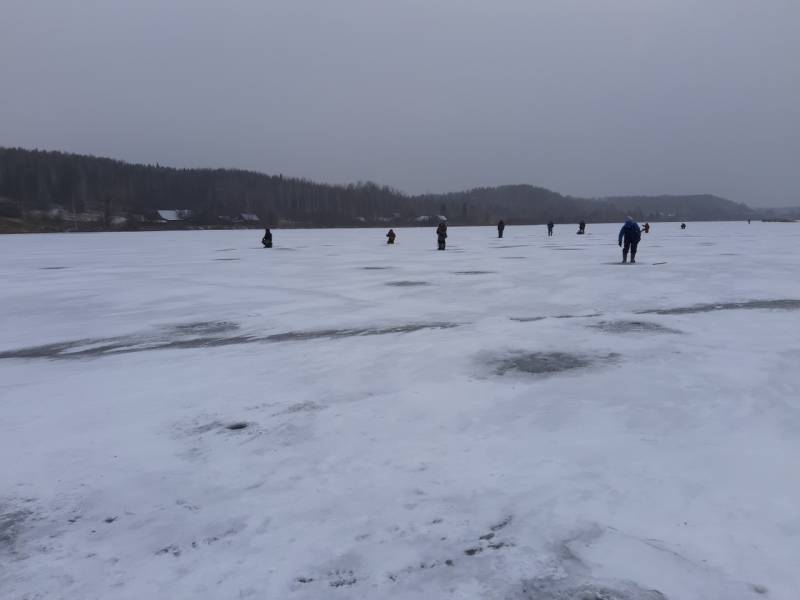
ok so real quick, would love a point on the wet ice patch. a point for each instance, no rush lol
(407, 283)
(473, 272)
(343, 333)
(197, 335)
(568, 588)
(375, 268)
(632, 327)
(782, 304)
(545, 363)
(12, 522)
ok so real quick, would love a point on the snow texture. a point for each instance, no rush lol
(340, 418)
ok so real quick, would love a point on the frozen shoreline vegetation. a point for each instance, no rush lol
(529, 421)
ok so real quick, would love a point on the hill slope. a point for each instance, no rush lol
(54, 190)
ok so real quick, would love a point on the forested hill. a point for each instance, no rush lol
(52, 191)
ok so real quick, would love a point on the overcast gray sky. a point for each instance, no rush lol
(587, 97)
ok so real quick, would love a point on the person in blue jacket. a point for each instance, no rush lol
(630, 234)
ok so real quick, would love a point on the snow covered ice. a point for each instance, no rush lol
(187, 415)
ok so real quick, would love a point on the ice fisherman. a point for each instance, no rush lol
(500, 227)
(267, 239)
(390, 236)
(550, 226)
(582, 227)
(441, 234)
(630, 234)
(646, 227)
(683, 225)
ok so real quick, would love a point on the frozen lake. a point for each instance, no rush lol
(186, 415)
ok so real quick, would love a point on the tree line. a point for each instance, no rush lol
(106, 193)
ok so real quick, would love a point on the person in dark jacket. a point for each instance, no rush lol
(683, 225)
(500, 227)
(646, 227)
(267, 239)
(550, 226)
(582, 227)
(441, 234)
(630, 234)
(390, 236)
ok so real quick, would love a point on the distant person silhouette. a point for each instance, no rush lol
(683, 225)
(646, 227)
(550, 226)
(500, 227)
(631, 235)
(390, 236)
(441, 235)
(582, 228)
(267, 239)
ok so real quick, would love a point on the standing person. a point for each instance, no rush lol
(646, 227)
(390, 236)
(683, 225)
(631, 234)
(500, 227)
(582, 227)
(550, 226)
(267, 239)
(441, 234)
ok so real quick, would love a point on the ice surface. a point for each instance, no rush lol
(303, 422)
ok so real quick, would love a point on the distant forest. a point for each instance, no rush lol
(43, 191)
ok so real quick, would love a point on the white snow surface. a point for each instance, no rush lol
(383, 458)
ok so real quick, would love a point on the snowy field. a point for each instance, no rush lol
(186, 415)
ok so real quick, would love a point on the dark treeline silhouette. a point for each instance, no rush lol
(66, 191)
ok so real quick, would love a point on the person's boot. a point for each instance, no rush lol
(624, 257)
(633, 258)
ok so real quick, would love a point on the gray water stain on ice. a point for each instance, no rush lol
(781, 304)
(12, 521)
(545, 363)
(632, 327)
(198, 335)
(569, 588)
(473, 272)
(407, 283)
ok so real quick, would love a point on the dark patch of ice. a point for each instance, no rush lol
(543, 363)
(204, 327)
(590, 315)
(196, 335)
(784, 304)
(52, 268)
(237, 426)
(527, 319)
(226, 259)
(633, 327)
(549, 588)
(342, 333)
(375, 268)
(407, 283)
(501, 524)
(512, 257)
(342, 578)
(473, 272)
(303, 407)
(11, 524)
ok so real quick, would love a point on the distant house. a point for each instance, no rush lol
(422, 219)
(249, 217)
(173, 215)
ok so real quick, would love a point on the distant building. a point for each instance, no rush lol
(249, 217)
(173, 215)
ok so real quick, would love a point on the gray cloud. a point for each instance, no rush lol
(590, 97)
